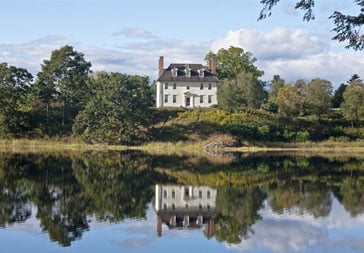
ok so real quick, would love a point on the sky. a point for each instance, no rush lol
(128, 36)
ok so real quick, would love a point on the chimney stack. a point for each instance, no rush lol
(212, 65)
(161, 66)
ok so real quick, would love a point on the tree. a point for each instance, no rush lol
(14, 99)
(347, 27)
(246, 91)
(231, 62)
(338, 96)
(353, 105)
(118, 111)
(277, 83)
(290, 100)
(319, 94)
(61, 86)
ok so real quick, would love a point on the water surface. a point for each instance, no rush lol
(133, 202)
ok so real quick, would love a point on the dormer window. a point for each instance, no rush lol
(201, 72)
(174, 72)
(188, 70)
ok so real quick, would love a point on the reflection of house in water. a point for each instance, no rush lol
(185, 207)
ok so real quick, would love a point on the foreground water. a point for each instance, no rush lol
(132, 202)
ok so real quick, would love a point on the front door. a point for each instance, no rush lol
(188, 101)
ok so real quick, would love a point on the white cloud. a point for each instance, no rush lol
(30, 55)
(280, 43)
(295, 232)
(291, 53)
(294, 54)
(136, 32)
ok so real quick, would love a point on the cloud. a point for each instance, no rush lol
(135, 33)
(294, 54)
(30, 55)
(282, 236)
(293, 232)
(291, 53)
(280, 43)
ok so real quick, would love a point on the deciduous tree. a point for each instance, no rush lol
(14, 99)
(319, 96)
(353, 105)
(290, 100)
(118, 110)
(232, 61)
(61, 86)
(246, 91)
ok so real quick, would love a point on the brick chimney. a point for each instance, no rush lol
(161, 66)
(212, 66)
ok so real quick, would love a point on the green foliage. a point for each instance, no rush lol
(318, 97)
(61, 89)
(246, 91)
(353, 105)
(338, 96)
(14, 100)
(276, 84)
(233, 61)
(118, 111)
(290, 100)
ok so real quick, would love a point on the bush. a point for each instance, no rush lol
(302, 136)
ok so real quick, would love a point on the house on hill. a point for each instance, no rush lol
(186, 85)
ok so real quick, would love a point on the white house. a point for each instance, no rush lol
(185, 207)
(186, 85)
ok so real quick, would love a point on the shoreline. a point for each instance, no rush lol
(39, 145)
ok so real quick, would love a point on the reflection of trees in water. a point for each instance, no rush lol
(236, 212)
(351, 195)
(118, 185)
(313, 198)
(66, 191)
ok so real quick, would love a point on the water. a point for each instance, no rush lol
(133, 202)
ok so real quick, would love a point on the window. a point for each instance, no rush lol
(201, 72)
(174, 86)
(165, 194)
(187, 192)
(188, 70)
(208, 194)
(166, 86)
(173, 194)
(201, 99)
(165, 98)
(165, 206)
(188, 87)
(201, 86)
(209, 86)
(200, 194)
(174, 99)
(188, 101)
(174, 72)
(209, 99)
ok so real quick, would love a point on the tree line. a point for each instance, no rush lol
(67, 98)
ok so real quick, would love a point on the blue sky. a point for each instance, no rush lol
(129, 36)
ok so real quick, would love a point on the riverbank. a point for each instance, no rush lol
(39, 145)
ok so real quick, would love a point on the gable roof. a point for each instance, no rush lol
(181, 74)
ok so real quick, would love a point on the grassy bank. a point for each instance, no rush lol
(33, 146)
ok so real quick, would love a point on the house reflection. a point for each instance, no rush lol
(185, 207)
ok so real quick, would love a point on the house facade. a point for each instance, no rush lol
(186, 85)
(185, 207)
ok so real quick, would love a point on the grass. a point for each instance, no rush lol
(182, 148)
